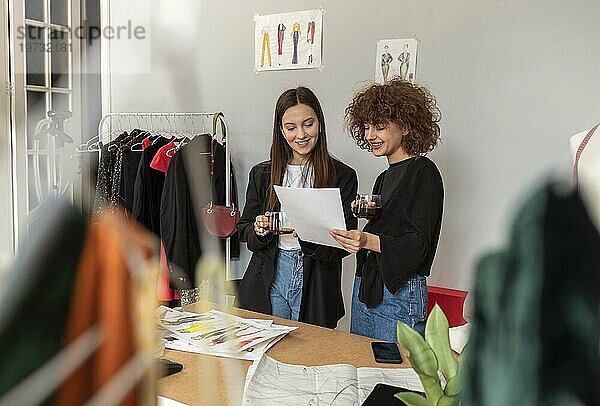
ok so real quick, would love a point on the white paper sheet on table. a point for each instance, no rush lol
(220, 334)
(313, 212)
(173, 342)
(162, 401)
(269, 382)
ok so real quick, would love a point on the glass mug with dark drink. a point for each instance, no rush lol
(367, 206)
(279, 223)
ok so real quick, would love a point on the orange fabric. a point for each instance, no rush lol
(102, 297)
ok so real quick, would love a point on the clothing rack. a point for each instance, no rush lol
(190, 123)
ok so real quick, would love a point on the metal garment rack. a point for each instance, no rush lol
(190, 123)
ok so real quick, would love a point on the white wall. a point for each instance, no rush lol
(513, 80)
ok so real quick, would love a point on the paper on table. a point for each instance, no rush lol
(218, 333)
(313, 212)
(162, 401)
(269, 382)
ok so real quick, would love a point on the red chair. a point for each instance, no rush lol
(450, 300)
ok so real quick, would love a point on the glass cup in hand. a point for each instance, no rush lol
(367, 206)
(279, 223)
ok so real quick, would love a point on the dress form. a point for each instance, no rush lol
(588, 171)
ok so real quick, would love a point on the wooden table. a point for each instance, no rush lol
(209, 380)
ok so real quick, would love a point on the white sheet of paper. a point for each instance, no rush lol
(162, 401)
(313, 212)
(270, 382)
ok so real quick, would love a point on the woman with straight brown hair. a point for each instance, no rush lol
(288, 277)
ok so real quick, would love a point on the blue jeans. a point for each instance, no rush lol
(408, 305)
(286, 287)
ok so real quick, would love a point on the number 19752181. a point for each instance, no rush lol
(50, 47)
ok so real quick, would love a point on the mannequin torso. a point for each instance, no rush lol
(588, 170)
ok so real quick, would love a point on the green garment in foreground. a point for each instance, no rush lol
(536, 323)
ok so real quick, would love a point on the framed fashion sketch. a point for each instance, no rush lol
(288, 40)
(396, 58)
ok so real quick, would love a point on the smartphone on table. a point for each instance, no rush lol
(386, 353)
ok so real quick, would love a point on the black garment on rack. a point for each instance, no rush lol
(91, 164)
(109, 174)
(184, 195)
(148, 189)
(129, 170)
(104, 179)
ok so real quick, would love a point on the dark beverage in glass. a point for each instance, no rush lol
(285, 230)
(370, 213)
(279, 224)
(367, 206)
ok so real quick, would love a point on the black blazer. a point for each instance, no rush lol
(181, 202)
(322, 302)
(408, 230)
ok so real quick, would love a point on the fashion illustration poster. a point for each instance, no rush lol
(396, 58)
(288, 40)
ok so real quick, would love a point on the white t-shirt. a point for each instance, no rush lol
(293, 177)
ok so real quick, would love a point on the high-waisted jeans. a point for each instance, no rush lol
(408, 305)
(286, 288)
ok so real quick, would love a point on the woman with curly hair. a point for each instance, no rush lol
(397, 120)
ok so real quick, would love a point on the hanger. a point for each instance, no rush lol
(168, 129)
(138, 146)
(173, 131)
(144, 133)
(87, 147)
(121, 134)
(186, 130)
(171, 151)
(94, 144)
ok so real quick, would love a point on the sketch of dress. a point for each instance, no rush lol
(295, 37)
(386, 59)
(280, 36)
(404, 59)
(266, 45)
(310, 38)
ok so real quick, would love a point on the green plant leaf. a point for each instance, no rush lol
(436, 335)
(421, 355)
(432, 386)
(412, 399)
(453, 386)
(447, 401)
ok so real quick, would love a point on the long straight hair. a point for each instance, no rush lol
(319, 161)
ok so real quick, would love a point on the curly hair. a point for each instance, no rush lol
(408, 105)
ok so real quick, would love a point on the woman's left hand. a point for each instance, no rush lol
(352, 241)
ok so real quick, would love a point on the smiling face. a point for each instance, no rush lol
(386, 140)
(300, 127)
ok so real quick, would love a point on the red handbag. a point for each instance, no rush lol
(220, 221)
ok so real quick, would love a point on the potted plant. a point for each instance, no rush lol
(433, 360)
